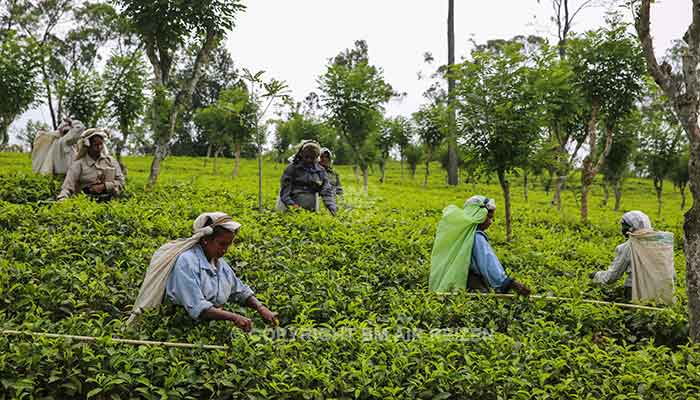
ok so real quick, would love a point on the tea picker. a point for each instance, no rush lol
(647, 257)
(462, 256)
(93, 172)
(192, 273)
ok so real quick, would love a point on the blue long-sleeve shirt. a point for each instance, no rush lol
(196, 285)
(485, 263)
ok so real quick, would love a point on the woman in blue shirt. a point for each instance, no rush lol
(485, 270)
(462, 256)
(202, 281)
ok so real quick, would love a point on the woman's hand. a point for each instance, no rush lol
(242, 322)
(269, 316)
(98, 188)
(521, 289)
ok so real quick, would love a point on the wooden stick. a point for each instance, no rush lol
(554, 298)
(117, 340)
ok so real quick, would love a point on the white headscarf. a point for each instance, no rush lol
(325, 150)
(204, 223)
(156, 279)
(483, 201)
(84, 142)
(636, 220)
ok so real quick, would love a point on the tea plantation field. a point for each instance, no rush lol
(357, 320)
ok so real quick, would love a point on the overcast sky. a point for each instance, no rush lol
(293, 40)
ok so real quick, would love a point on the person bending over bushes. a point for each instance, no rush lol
(192, 273)
(647, 257)
(462, 256)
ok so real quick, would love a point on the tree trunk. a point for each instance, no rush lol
(505, 186)
(617, 189)
(606, 193)
(208, 155)
(427, 172)
(561, 185)
(526, 183)
(365, 179)
(658, 186)
(452, 178)
(49, 98)
(237, 160)
(591, 166)
(682, 189)
(686, 107)
(184, 94)
(4, 135)
(158, 156)
(356, 170)
(691, 229)
(402, 167)
(584, 203)
(215, 163)
(260, 178)
(382, 166)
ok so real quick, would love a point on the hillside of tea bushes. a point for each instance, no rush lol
(357, 320)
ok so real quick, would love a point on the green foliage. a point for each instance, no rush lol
(124, 82)
(608, 69)
(75, 268)
(624, 145)
(19, 66)
(82, 96)
(498, 105)
(661, 137)
(354, 93)
(185, 19)
(431, 127)
(230, 120)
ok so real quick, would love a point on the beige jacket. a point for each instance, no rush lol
(86, 172)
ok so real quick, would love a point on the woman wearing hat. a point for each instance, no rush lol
(93, 172)
(303, 179)
(192, 273)
(462, 257)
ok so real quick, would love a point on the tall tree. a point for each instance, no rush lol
(431, 126)
(386, 140)
(19, 67)
(229, 122)
(682, 88)
(500, 111)
(679, 176)
(71, 34)
(354, 94)
(82, 94)
(124, 84)
(619, 157)
(660, 142)
(452, 167)
(202, 22)
(263, 95)
(608, 71)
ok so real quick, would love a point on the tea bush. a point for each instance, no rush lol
(357, 319)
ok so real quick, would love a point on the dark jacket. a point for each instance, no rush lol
(299, 182)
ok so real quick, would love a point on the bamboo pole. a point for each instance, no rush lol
(116, 340)
(555, 298)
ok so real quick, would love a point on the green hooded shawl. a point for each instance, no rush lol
(452, 250)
